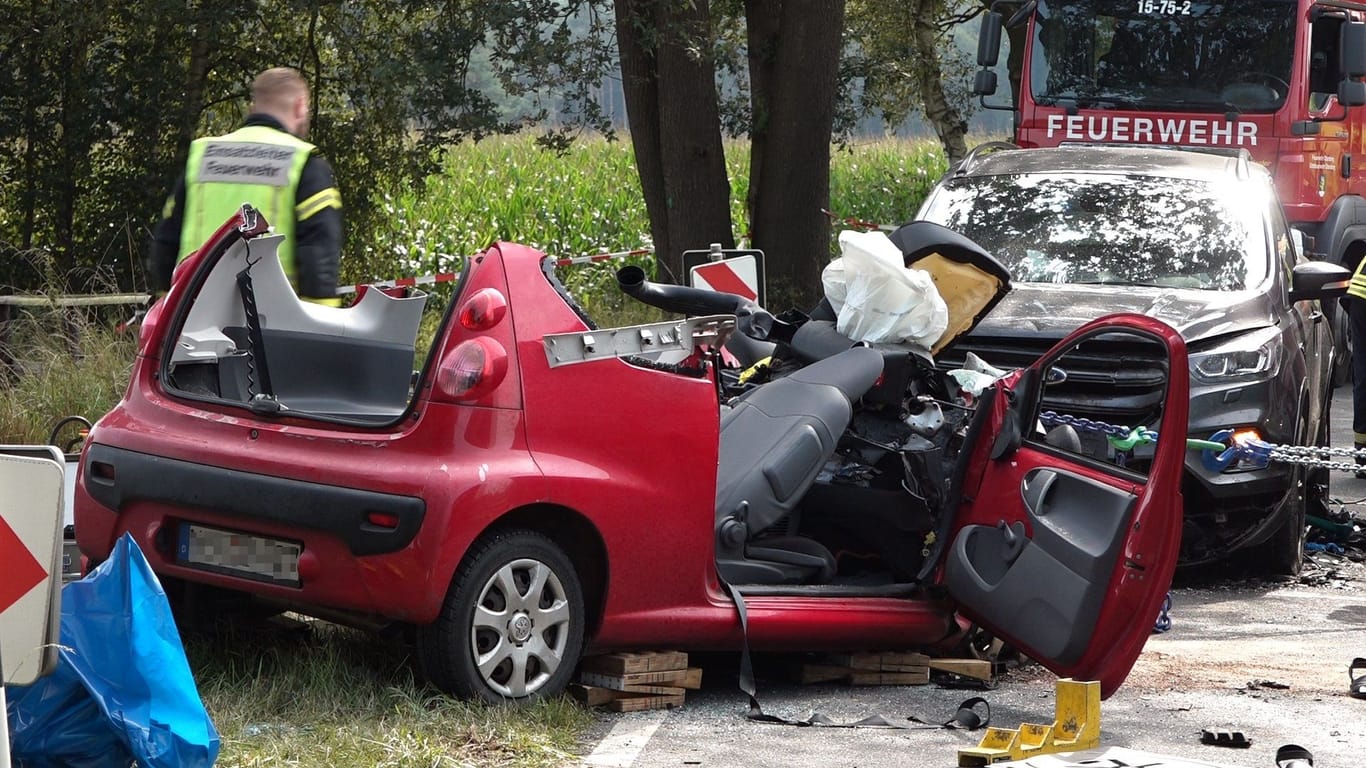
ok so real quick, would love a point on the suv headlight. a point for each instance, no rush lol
(1250, 357)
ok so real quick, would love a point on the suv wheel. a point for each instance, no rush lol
(512, 625)
(1284, 551)
(1342, 341)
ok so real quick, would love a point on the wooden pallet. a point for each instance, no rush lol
(891, 669)
(628, 682)
(868, 669)
(977, 669)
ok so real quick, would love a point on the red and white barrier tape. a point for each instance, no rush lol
(601, 257)
(448, 277)
(859, 223)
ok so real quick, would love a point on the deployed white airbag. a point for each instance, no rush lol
(879, 300)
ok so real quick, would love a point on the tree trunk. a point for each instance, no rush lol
(949, 123)
(74, 145)
(761, 31)
(33, 138)
(640, 92)
(790, 165)
(675, 131)
(196, 79)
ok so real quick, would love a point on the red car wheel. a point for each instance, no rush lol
(512, 625)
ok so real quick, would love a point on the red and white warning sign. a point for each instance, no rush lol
(739, 272)
(31, 487)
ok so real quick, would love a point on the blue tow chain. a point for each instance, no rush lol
(1164, 618)
(1252, 451)
(1216, 453)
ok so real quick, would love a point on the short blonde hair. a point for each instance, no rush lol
(277, 88)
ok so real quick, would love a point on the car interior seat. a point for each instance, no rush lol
(774, 442)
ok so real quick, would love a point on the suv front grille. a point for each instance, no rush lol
(1115, 378)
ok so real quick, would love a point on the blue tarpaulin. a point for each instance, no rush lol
(122, 691)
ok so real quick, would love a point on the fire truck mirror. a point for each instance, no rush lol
(1353, 51)
(989, 41)
(984, 82)
(1351, 93)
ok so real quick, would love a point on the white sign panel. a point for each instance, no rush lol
(31, 487)
(739, 275)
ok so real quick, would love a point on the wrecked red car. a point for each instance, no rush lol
(540, 488)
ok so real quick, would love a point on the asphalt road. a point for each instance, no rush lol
(1268, 659)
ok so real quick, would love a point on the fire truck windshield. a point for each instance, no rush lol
(1173, 55)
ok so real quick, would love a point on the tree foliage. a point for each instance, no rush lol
(99, 101)
(905, 54)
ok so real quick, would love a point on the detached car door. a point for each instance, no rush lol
(1062, 545)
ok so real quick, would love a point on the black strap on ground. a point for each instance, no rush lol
(966, 718)
(1293, 756)
(756, 712)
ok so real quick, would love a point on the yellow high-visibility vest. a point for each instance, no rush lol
(255, 164)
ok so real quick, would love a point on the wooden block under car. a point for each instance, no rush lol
(979, 669)
(670, 677)
(668, 701)
(629, 682)
(823, 673)
(869, 677)
(662, 697)
(626, 663)
(881, 662)
(869, 669)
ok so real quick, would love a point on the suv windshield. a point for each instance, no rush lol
(1111, 228)
(1163, 54)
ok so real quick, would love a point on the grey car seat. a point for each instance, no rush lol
(774, 442)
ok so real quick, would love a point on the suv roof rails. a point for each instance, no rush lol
(975, 155)
(1239, 157)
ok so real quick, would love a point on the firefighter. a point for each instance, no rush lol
(268, 163)
(1355, 304)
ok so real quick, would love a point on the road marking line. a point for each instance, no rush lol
(625, 741)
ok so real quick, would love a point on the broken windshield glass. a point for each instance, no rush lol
(1112, 229)
(1181, 54)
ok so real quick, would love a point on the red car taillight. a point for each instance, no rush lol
(473, 368)
(483, 310)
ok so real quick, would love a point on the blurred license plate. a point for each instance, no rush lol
(239, 554)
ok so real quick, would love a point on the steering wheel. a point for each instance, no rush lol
(1280, 86)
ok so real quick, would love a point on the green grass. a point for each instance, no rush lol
(587, 201)
(316, 694)
(65, 363)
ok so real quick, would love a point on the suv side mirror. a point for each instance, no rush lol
(1318, 280)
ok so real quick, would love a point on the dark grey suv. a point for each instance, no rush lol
(1197, 240)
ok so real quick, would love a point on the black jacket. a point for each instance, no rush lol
(317, 252)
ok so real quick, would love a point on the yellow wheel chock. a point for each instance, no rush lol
(1076, 726)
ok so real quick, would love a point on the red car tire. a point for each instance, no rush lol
(512, 625)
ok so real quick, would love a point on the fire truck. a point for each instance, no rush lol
(1279, 78)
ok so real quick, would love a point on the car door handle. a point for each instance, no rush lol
(1035, 491)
